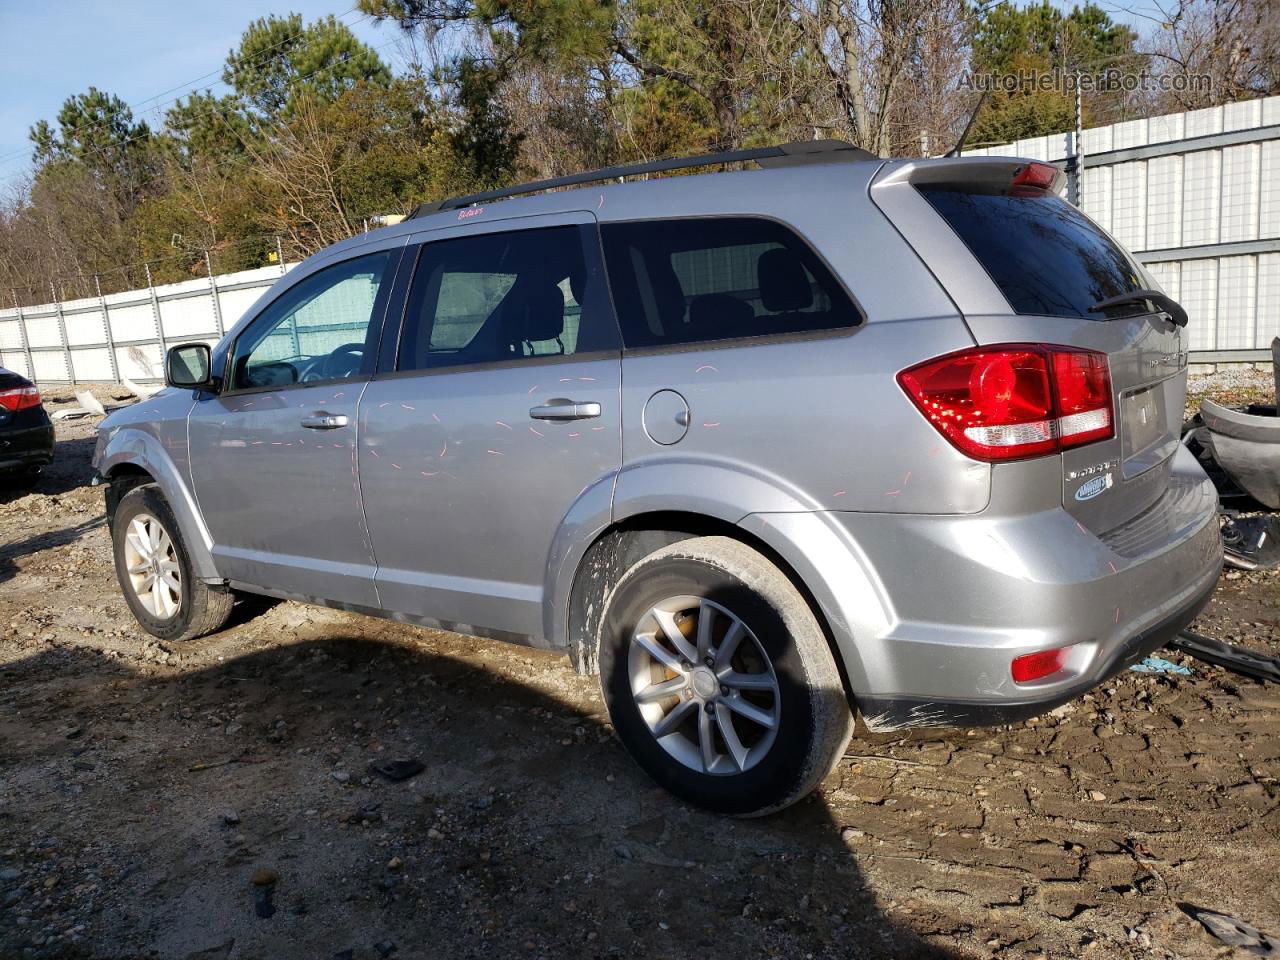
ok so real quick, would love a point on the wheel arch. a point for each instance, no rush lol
(625, 542)
(133, 457)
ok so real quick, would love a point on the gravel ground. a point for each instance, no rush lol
(161, 800)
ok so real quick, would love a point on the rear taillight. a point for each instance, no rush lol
(19, 398)
(1014, 401)
(1083, 387)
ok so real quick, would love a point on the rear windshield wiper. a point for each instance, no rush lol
(1167, 304)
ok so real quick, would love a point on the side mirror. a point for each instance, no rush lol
(189, 366)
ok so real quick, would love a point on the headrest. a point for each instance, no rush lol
(718, 315)
(784, 284)
(540, 313)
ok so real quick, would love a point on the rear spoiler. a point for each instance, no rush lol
(993, 172)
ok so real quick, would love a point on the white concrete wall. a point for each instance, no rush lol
(181, 311)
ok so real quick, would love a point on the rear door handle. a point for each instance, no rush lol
(325, 421)
(562, 409)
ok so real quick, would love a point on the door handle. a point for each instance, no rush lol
(562, 409)
(325, 421)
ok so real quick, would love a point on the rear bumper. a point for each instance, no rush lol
(963, 596)
(883, 714)
(26, 447)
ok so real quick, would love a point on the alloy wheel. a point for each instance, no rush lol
(151, 561)
(704, 685)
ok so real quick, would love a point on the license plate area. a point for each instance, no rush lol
(1144, 429)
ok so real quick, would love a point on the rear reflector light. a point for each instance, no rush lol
(1015, 401)
(1037, 666)
(19, 398)
(1039, 175)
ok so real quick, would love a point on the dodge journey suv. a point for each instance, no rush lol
(761, 447)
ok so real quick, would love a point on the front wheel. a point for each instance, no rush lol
(719, 680)
(155, 573)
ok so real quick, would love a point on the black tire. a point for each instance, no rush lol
(812, 722)
(201, 609)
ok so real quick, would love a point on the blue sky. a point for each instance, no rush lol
(135, 49)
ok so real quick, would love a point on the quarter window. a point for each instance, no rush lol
(321, 329)
(497, 297)
(717, 278)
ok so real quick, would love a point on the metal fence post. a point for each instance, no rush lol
(106, 322)
(26, 340)
(1077, 148)
(62, 330)
(280, 255)
(213, 293)
(155, 312)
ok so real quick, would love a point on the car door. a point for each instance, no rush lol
(501, 413)
(273, 454)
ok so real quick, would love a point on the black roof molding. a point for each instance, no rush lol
(782, 155)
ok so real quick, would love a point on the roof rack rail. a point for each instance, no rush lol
(784, 154)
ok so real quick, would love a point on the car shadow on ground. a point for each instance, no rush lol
(529, 833)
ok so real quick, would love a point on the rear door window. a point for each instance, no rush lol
(718, 278)
(1045, 255)
(496, 297)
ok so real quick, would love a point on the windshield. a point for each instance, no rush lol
(1045, 255)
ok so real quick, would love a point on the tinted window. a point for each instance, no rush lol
(505, 296)
(1044, 254)
(680, 281)
(319, 329)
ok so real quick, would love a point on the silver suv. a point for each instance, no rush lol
(756, 446)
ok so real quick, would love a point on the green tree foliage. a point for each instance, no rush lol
(279, 62)
(1040, 38)
(203, 125)
(95, 129)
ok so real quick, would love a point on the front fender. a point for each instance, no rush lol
(136, 446)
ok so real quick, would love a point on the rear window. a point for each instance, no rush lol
(718, 278)
(1044, 254)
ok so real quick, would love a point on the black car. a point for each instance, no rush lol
(26, 434)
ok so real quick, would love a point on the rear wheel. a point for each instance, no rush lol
(719, 680)
(155, 574)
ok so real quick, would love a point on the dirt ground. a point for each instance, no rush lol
(144, 787)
